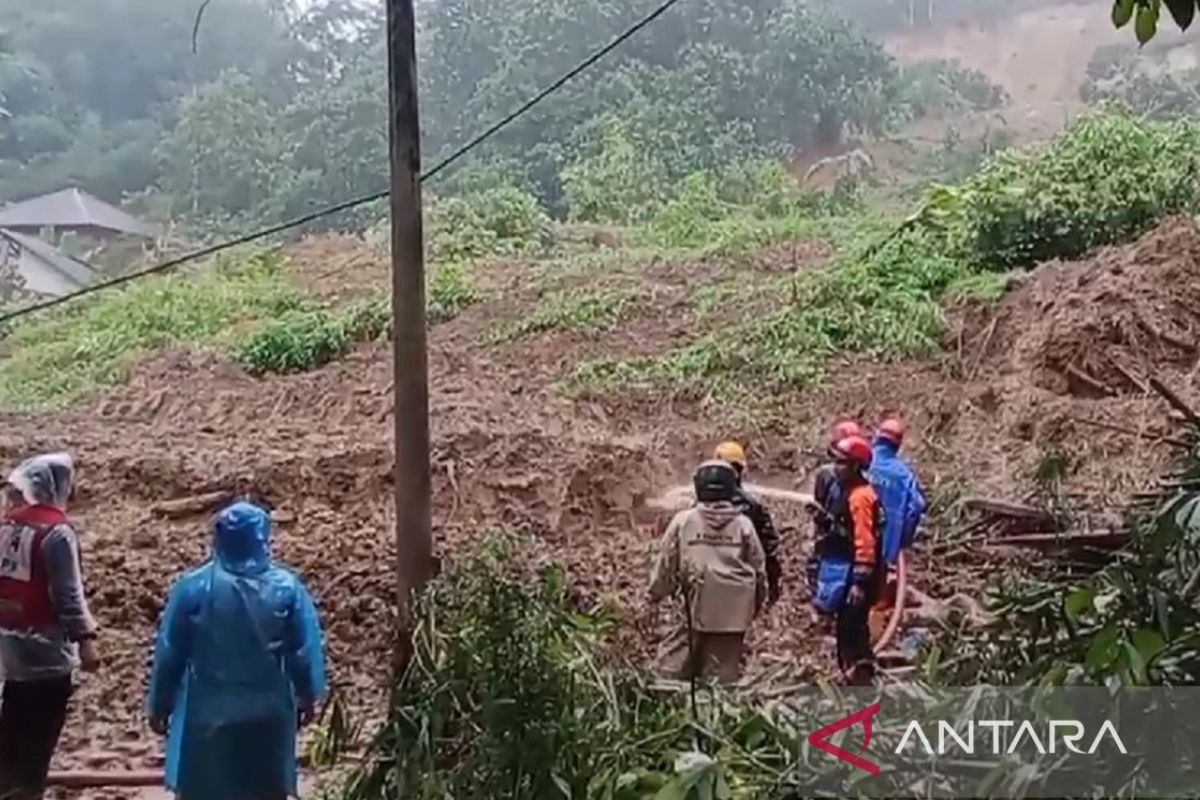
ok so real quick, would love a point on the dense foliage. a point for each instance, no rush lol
(1106, 179)
(281, 110)
(508, 696)
(1132, 623)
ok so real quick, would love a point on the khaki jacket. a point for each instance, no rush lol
(712, 556)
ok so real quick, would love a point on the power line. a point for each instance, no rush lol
(346, 205)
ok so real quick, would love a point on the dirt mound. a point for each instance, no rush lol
(1091, 328)
(1098, 327)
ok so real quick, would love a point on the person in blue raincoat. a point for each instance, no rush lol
(238, 666)
(899, 490)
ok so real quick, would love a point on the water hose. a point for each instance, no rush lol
(898, 609)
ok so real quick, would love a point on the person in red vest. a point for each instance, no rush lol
(46, 629)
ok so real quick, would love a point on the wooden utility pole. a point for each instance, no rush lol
(414, 546)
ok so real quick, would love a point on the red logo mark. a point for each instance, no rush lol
(820, 738)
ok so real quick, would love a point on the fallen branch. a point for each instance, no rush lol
(1108, 426)
(1072, 540)
(1175, 401)
(190, 506)
(1003, 508)
(981, 353)
(1164, 337)
(1087, 380)
(681, 497)
(929, 609)
(1128, 375)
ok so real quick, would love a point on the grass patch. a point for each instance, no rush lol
(881, 299)
(246, 307)
(591, 313)
(61, 356)
(708, 299)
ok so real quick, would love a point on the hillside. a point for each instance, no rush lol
(511, 449)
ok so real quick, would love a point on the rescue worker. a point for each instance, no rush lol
(856, 516)
(46, 629)
(238, 667)
(823, 484)
(756, 511)
(899, 490)
(711, 556)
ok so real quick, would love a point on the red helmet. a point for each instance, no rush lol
(844, 429)
(891, 429)
(855, 449)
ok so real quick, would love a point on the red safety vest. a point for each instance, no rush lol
(25, 600)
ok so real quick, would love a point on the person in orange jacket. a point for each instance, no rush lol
(825, 484)
(855, 514)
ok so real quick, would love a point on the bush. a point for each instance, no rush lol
(937, 87)
(619, 181)
(450, 290)
(498, 221)
(509, 697)
(303, 339)
(747, 204)
(1107, 179)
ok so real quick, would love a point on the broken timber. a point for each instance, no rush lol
(1050, 541)
(192, 505)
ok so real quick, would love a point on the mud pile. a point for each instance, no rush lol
(1098, 327)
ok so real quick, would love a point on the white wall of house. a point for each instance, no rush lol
(39, 276)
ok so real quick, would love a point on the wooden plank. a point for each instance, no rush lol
(192, 505)
(98, 779)
(1002, 507)
(1066, 540)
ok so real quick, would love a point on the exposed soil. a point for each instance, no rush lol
(509, 451)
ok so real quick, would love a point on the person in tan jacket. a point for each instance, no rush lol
(710, 555)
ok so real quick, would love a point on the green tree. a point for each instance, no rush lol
(223, 157)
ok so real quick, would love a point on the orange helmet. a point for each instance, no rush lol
(891, 429)
(855, 449)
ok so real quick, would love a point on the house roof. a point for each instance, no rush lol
(73, 269)
(69, 208)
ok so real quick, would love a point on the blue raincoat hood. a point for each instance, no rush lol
(242, 539)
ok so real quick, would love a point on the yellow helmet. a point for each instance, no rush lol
(731, 452)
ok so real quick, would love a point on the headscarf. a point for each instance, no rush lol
(242, 539)
(45, 480)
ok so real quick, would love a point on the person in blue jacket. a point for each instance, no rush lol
(899, 490)
(239, 666)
